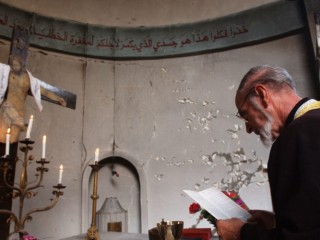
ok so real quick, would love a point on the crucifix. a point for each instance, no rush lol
(16, 82)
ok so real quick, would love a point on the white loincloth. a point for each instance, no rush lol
(34, 84)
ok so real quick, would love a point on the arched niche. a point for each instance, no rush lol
(129, 187)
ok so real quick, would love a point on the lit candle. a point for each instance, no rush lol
(44, 140)
(29, 127)
(96, 156)
(60, 174)
(7, 142)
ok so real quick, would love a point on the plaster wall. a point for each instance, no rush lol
(136, 12)
(173, 119)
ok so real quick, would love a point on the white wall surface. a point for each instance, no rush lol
(174, 119)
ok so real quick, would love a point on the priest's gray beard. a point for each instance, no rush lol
(265, 131)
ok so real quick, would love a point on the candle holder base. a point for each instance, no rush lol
(92, 234)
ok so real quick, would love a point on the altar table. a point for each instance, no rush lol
(113, 236)
(117, 236)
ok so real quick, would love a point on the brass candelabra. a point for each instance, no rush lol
(93, 233)
(26, 190)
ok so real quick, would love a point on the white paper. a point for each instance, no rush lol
(218, 204)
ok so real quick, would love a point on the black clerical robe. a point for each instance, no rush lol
(294, 176)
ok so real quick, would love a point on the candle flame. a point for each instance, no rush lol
(44, 137)
(31, 117)
(8, 131)
(61, 167)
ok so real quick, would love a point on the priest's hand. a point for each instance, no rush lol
(229, 229)
(262, 218)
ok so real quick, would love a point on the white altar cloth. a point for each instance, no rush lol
(117, 236)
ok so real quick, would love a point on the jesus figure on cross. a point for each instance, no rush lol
(15, 83)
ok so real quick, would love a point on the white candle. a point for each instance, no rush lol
(44, 140)
(7, 142)
(29, 127)
(96, 156)
(60, 174)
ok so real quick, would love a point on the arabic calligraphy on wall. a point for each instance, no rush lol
(153, 42)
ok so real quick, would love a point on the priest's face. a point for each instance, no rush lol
(256, 118)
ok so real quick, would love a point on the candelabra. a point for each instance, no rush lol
(93, 233)
(25, 190)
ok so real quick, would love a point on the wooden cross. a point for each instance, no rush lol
(21, 82)
(19, 48)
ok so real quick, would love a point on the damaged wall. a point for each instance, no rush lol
(174, 119)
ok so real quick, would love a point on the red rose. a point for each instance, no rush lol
(236, 198)
(194, 207)
(231, 194)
